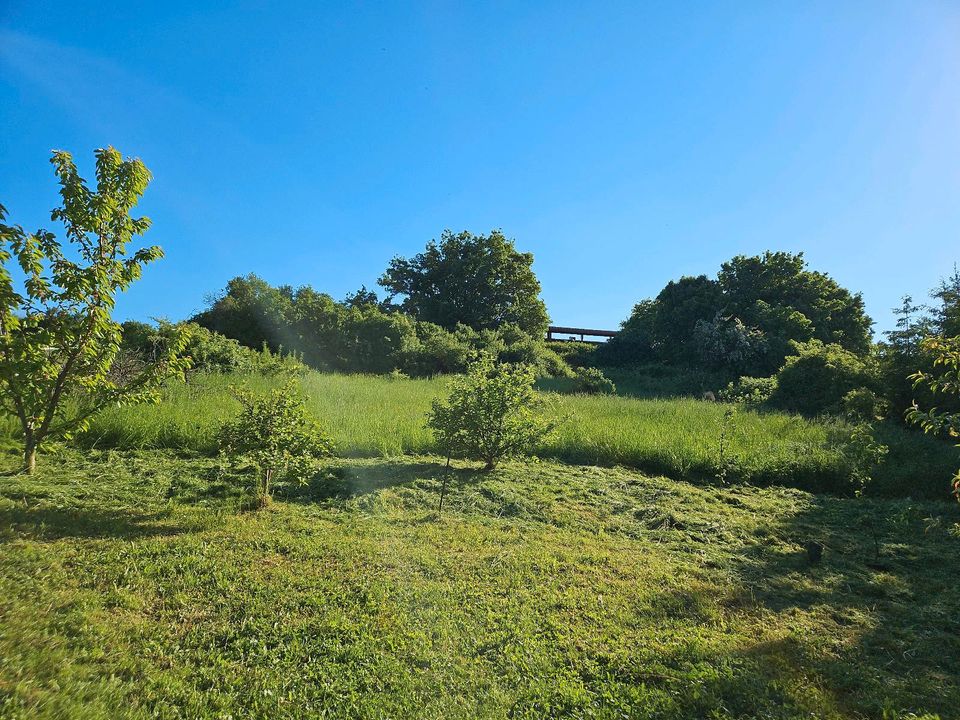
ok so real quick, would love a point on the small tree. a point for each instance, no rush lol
(56, 335)
(492, 413)
(864, 453)
(945, 381)
(275, 435)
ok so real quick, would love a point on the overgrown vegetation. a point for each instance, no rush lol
(361, 335)
(943, 381)
(744, 321)
(377, 416)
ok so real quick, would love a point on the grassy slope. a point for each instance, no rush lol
(380, 417)
(130, 589)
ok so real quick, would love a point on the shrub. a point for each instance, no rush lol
(574, 352)
(492, 413)
(435, 351)
(863, 404)
(817, 377)
(207, 351)
(276, 364)
(275, 436)
(943, 382)
(593, 382)
(749, 391)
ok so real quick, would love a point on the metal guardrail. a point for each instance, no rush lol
(582, 332)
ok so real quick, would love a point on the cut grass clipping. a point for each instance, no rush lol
(131, 588)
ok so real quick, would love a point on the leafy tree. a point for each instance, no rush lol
(252, 312)
(275, 435)
(781, 279)
(57, 337)
(663, 328)
(492, 413)
(769, 300)
(636, 341)
(679, 307)
(946, 295)
(903, 352)
(943, 380)
(478, 280)
(361, 297)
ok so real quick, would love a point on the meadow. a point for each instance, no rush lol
(378, 416)
(616, 577)
(132, 587)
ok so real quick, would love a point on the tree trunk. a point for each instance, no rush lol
(443, 487)
(30, 457)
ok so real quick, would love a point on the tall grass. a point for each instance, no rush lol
(374, 416)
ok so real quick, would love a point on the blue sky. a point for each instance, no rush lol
(624, 144)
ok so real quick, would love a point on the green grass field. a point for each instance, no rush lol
(375, 416)
(131, 587)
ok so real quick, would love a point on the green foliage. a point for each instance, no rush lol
(816, 379)
(481, 281)
(250, 311)
(575, 353)
(275, 435)
(725, 462)
(864, 454)
(57, 337)
(802, 298)
(491, 413)
(903, 353)
(863, 404)
(750, 391)
(361, 335)
(768, 302)
(592, 381)
(945, 381)
(662, 329)
(206, 351)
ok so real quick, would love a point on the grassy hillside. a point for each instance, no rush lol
(374, 416)
(130, 588)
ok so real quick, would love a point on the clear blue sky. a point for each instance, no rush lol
(624, 144)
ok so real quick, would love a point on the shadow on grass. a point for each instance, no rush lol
(342, 483)
(46, 523)
(892, 630)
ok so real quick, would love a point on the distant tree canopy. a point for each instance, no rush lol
(360, 334)
(744, 320)
(480, 281)
(251, 311)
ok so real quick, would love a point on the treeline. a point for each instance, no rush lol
(360, 334)
(463, 294)
(767, 330)
(788, 337)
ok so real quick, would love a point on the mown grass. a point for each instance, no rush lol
(375, 416)
(131, 588)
